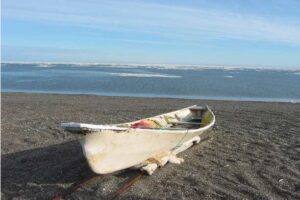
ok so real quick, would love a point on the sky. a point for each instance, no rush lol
(219, 32)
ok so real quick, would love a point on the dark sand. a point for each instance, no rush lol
(253, 151)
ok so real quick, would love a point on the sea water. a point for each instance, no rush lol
(192, 82)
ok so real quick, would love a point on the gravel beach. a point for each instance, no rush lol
(253, 151)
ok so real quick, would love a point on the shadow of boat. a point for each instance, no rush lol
(42, 173)
(60, 163)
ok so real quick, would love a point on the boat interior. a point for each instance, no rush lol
(190, 118)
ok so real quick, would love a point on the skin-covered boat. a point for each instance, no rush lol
(144, 144)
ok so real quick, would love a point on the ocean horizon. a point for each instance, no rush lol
(215, 82)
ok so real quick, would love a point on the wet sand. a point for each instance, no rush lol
(253, 151)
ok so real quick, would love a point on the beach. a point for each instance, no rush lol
(253, 151)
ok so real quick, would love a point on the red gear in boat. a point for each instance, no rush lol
(142, 124)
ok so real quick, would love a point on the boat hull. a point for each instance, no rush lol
(110, 151)
(110, 148)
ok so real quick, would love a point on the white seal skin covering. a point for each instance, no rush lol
(145, 144)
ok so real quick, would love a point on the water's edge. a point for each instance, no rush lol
(266, 100)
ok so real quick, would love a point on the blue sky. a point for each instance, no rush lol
(222, 32)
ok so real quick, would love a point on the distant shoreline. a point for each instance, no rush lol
(162, 65)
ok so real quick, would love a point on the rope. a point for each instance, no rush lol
(187, 131)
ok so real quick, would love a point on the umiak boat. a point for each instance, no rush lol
(144, 144)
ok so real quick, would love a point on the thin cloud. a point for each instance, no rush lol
(184, 24)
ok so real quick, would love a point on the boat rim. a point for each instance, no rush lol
(189, 131)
